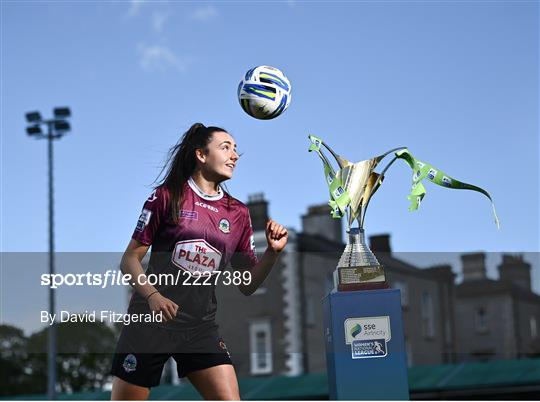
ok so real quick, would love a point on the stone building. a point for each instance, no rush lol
(497, 319)
(278, 330)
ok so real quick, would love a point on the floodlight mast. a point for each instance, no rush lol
(56, 128)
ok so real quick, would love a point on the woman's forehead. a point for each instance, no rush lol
(222, 136)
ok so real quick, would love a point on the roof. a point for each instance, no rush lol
(482, 287)
(442, 380)
(499, 373)
(318, 244)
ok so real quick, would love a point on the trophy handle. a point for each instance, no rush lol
(341, 166)
(362, 214)
(336, 156)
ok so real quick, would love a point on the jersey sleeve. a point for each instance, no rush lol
(152, 214)
(245, 255)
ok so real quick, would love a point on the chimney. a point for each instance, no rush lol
(380, 243)
(319, 222)
(514, 269)
(258, 210)
(473, 266)
(443, 272)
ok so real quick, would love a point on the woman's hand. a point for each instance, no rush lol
(276, 236)
(160, 304)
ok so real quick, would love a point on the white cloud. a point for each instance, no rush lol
(134, 7)
(204, 14)
(158, 20)
(160, 58)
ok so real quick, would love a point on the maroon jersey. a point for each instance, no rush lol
(212, 231)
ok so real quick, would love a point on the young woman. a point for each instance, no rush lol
(195, 228)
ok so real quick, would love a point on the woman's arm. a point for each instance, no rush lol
(276, 237)
(131, 264)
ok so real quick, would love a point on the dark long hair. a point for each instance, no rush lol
(181, 163)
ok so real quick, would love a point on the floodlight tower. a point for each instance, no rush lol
(56, 128)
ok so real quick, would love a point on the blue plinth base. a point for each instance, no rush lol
(365, 347)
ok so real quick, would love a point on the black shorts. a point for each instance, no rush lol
(143, 350)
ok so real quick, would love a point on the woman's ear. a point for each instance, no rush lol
(200, 155)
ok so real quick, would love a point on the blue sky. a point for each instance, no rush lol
(456, 82)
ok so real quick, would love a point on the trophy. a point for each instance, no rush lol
(351, 188)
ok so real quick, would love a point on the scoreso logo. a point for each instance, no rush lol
(203, 205)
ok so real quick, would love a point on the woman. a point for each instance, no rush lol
(195, 228)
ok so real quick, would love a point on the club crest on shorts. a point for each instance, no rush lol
(130, 363)
(225, 226)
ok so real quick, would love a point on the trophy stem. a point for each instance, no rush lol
(358, 268)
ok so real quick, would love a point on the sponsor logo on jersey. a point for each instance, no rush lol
(189, 215)
(196, 256)
(203, 205)
(225, 226)
(144, 219)
(152, 197)
(130, 363)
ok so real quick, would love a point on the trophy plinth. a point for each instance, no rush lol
(358, 268)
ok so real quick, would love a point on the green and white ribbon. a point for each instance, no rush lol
(423, 170)
(356, 176)
(339, 198)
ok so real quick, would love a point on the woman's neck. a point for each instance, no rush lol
(207, 186)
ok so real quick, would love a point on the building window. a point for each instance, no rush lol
(481, 320)
(428, 323)
(403, 289)
(534, 328)
(260, 344)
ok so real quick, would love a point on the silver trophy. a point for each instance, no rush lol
(351, 189)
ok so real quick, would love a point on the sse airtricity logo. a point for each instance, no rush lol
(368, 336)
(355, 330)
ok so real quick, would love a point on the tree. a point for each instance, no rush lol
(83, 361)
(84, 354)
(14, 377)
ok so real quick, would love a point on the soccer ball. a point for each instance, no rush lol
(264, 92)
